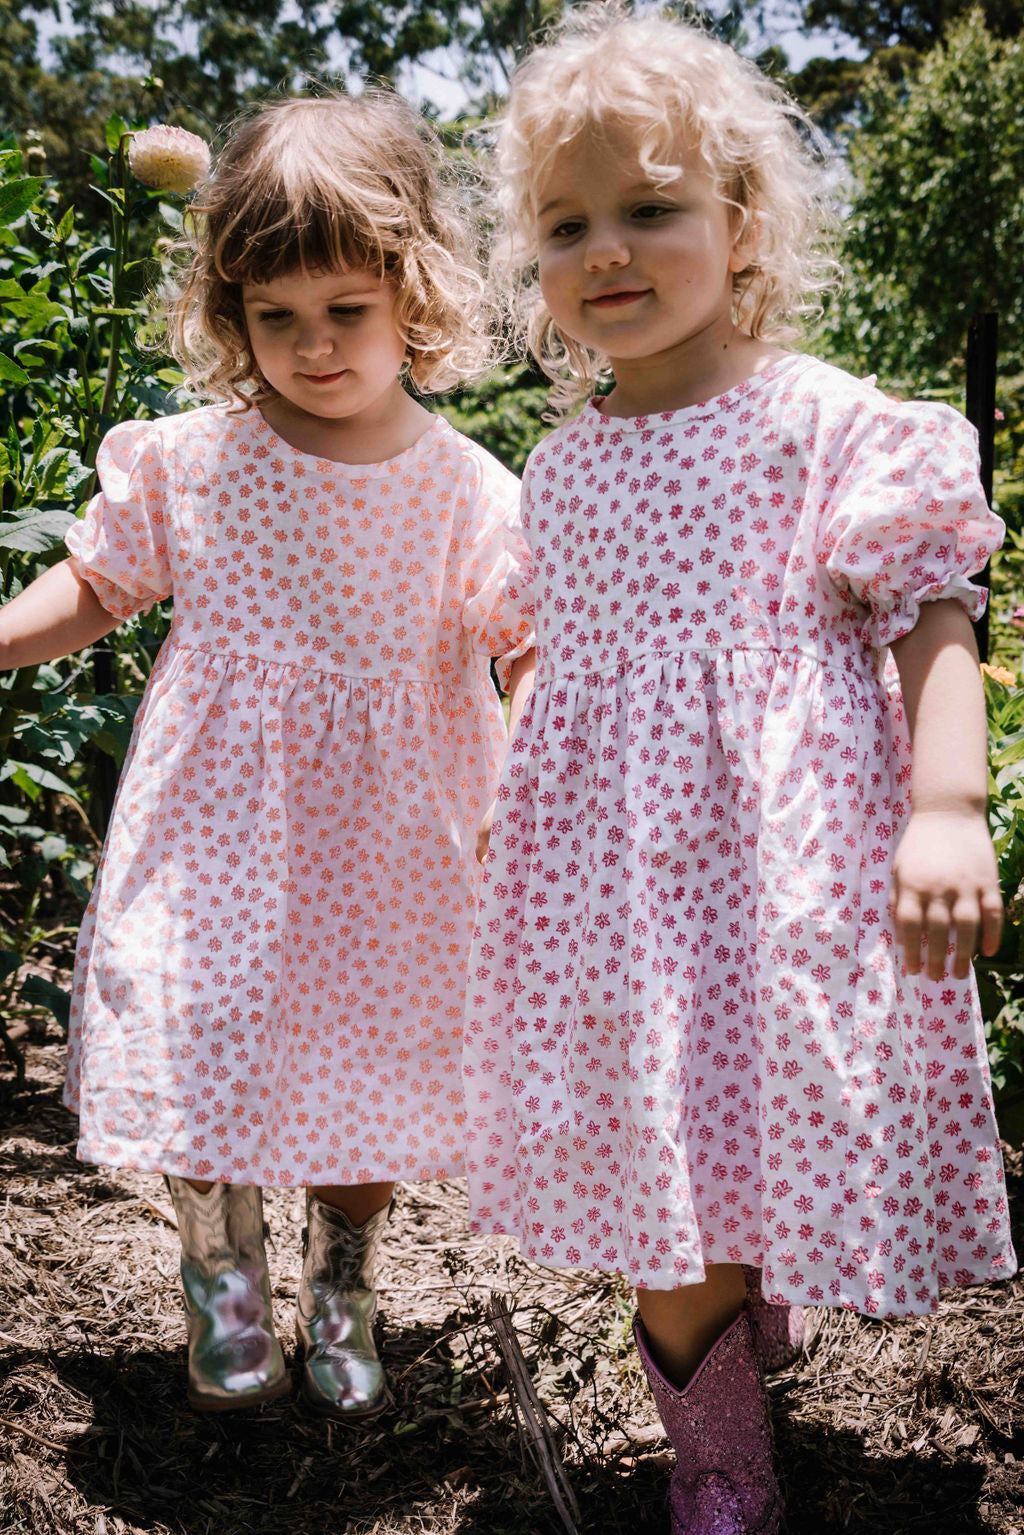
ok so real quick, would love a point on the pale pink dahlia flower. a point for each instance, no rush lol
(169, 158)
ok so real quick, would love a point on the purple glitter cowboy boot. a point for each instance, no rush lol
(778, 1330)
(724, 1483)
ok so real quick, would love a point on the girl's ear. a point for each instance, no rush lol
(745, 245)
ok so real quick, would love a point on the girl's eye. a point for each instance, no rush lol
(273, 316)
(348, 311)
(566, 229)
(651, 211)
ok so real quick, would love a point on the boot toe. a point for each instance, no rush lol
(240, 1373)
(345, 1385)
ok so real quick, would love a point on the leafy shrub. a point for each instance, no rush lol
(1001, 978)
(71, 366)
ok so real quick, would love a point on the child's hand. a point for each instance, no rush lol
(483, 836)
(945, 887)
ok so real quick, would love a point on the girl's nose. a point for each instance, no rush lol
(606, 247)
(313, 340)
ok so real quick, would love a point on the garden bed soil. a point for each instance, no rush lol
(884, 1428)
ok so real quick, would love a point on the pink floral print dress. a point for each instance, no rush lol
(689, 1036)
(271, 972)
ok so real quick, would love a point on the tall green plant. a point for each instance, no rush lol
(1001, 978)
(71, 366)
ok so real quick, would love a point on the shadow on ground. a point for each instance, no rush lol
(888, 1429)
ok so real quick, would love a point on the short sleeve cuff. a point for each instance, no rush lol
(890, 621)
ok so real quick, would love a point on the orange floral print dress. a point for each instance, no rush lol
(271, 972)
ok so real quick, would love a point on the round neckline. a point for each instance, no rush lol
(701, 410)
(375, 470)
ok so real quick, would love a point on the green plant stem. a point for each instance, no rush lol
(119, 236)
(81, 353)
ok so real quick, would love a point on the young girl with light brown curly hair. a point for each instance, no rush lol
(720, 1013)
(271, 972)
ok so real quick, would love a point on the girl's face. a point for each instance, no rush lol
(640, 272)
(326, 341)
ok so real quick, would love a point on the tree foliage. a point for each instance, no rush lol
(887, 38)
(935, 223)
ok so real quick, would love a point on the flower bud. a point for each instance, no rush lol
(169, 158)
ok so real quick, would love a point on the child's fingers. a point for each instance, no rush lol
(991, 921)
(966, 919)
(969, 919)
(908, 922)
(938, 923)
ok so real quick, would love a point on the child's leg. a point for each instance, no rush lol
(337, 1301)
(359, 1201)
(681, 1325)
(697, 1349)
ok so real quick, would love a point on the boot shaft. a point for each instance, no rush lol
(724, 1481)
(342, 1373)
(234, 1359)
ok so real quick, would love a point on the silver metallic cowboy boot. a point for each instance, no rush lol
(234, 1360)
(337, 1303)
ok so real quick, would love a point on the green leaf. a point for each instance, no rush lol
(47, 475)
(36, 309)
(65, 226)
(10, 373)
(46, 994)
(17, 197)
(32, 778)
(9, 963)
(38, 533)
(155, 400)
(96, 257)
(66, 722)
(114, 130)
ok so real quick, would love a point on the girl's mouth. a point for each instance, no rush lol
(617, 300)
(324, 378)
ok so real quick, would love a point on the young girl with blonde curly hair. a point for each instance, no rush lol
(693, 1043)
(271, 972)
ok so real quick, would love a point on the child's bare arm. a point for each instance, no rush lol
(59, 613)
(519, 688)
(945, 882)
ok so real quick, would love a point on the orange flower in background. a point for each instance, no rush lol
(169, 158)
(999, 674)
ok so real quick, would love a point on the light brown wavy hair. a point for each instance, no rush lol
(665, 84)
(355, 182)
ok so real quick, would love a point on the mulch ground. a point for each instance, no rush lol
(885, 1428)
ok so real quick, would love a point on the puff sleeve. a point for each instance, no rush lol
(497, 609)
(907, 520)
(120, 546)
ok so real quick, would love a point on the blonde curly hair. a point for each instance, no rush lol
(664, 83)
(353, 182)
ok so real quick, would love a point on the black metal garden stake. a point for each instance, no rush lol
(982, 351)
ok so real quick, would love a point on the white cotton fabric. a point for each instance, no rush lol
(689, 1037)
(271, 972)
